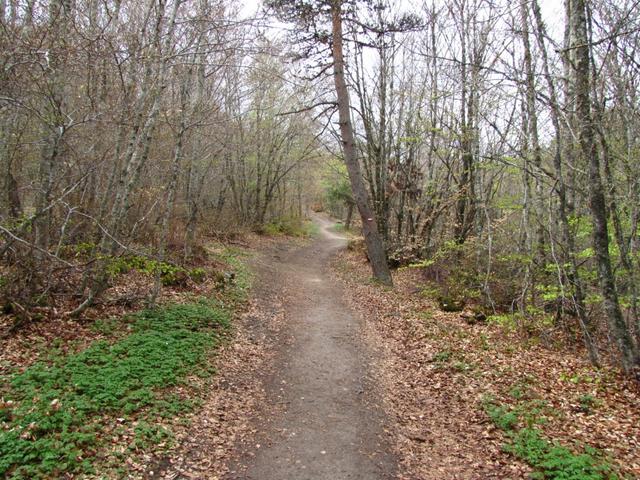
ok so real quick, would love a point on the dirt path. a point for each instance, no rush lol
(321, 419)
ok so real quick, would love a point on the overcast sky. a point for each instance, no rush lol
(552, 11)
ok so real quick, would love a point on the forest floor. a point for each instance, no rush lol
(478, 400)
(315, 409)
(320, 373)
(358, 381)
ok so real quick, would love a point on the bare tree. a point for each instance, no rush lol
(586, 137)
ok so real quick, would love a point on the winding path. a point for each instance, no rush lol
(321, 421)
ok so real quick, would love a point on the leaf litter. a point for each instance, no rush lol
(435, 370)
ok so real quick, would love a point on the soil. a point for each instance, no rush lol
(322, 417)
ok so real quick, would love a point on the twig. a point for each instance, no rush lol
(31, 245)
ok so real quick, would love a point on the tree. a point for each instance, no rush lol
(124, 126)
(309, 15)
(373, 239)
(568, 243)
(581, 62)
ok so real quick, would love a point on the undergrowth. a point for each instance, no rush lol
(295, 227)
(341, 228)
(550, 459)
(54, 413)
(170, 274)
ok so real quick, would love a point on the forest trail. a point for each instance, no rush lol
(321, 420)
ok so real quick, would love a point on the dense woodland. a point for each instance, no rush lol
(132, 128)
(489, 143)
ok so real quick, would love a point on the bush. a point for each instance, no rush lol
(170, 274)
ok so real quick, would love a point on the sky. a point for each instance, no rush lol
(552, 10)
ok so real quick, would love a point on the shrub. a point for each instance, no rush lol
(170, 274)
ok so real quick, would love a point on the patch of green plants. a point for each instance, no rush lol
(54, 411)
(170, 274)
(83, 248)
(425, 315)
(485, 343)
(555, 461)
(550, 459)
(535, 412)
(292, 226)
(518, 391)
(174, 405)
(427, 262)
(549, 293)
(529, 322)
(588, 403)
(429, 291)
(501, 415)
(577, 378)
(17, 223)
(462, 366)
(594, 299)
(147, 434)
(508, 321)
(198, 275)
(106, 326)
(453, 281)
(442, 356)
(453, 303)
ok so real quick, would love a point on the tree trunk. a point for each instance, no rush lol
(536, 153)
(465, 204)
(568, 240)
(597, 204)
(10, 204)
(375, 246)
(347, 220)
(173, 182)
